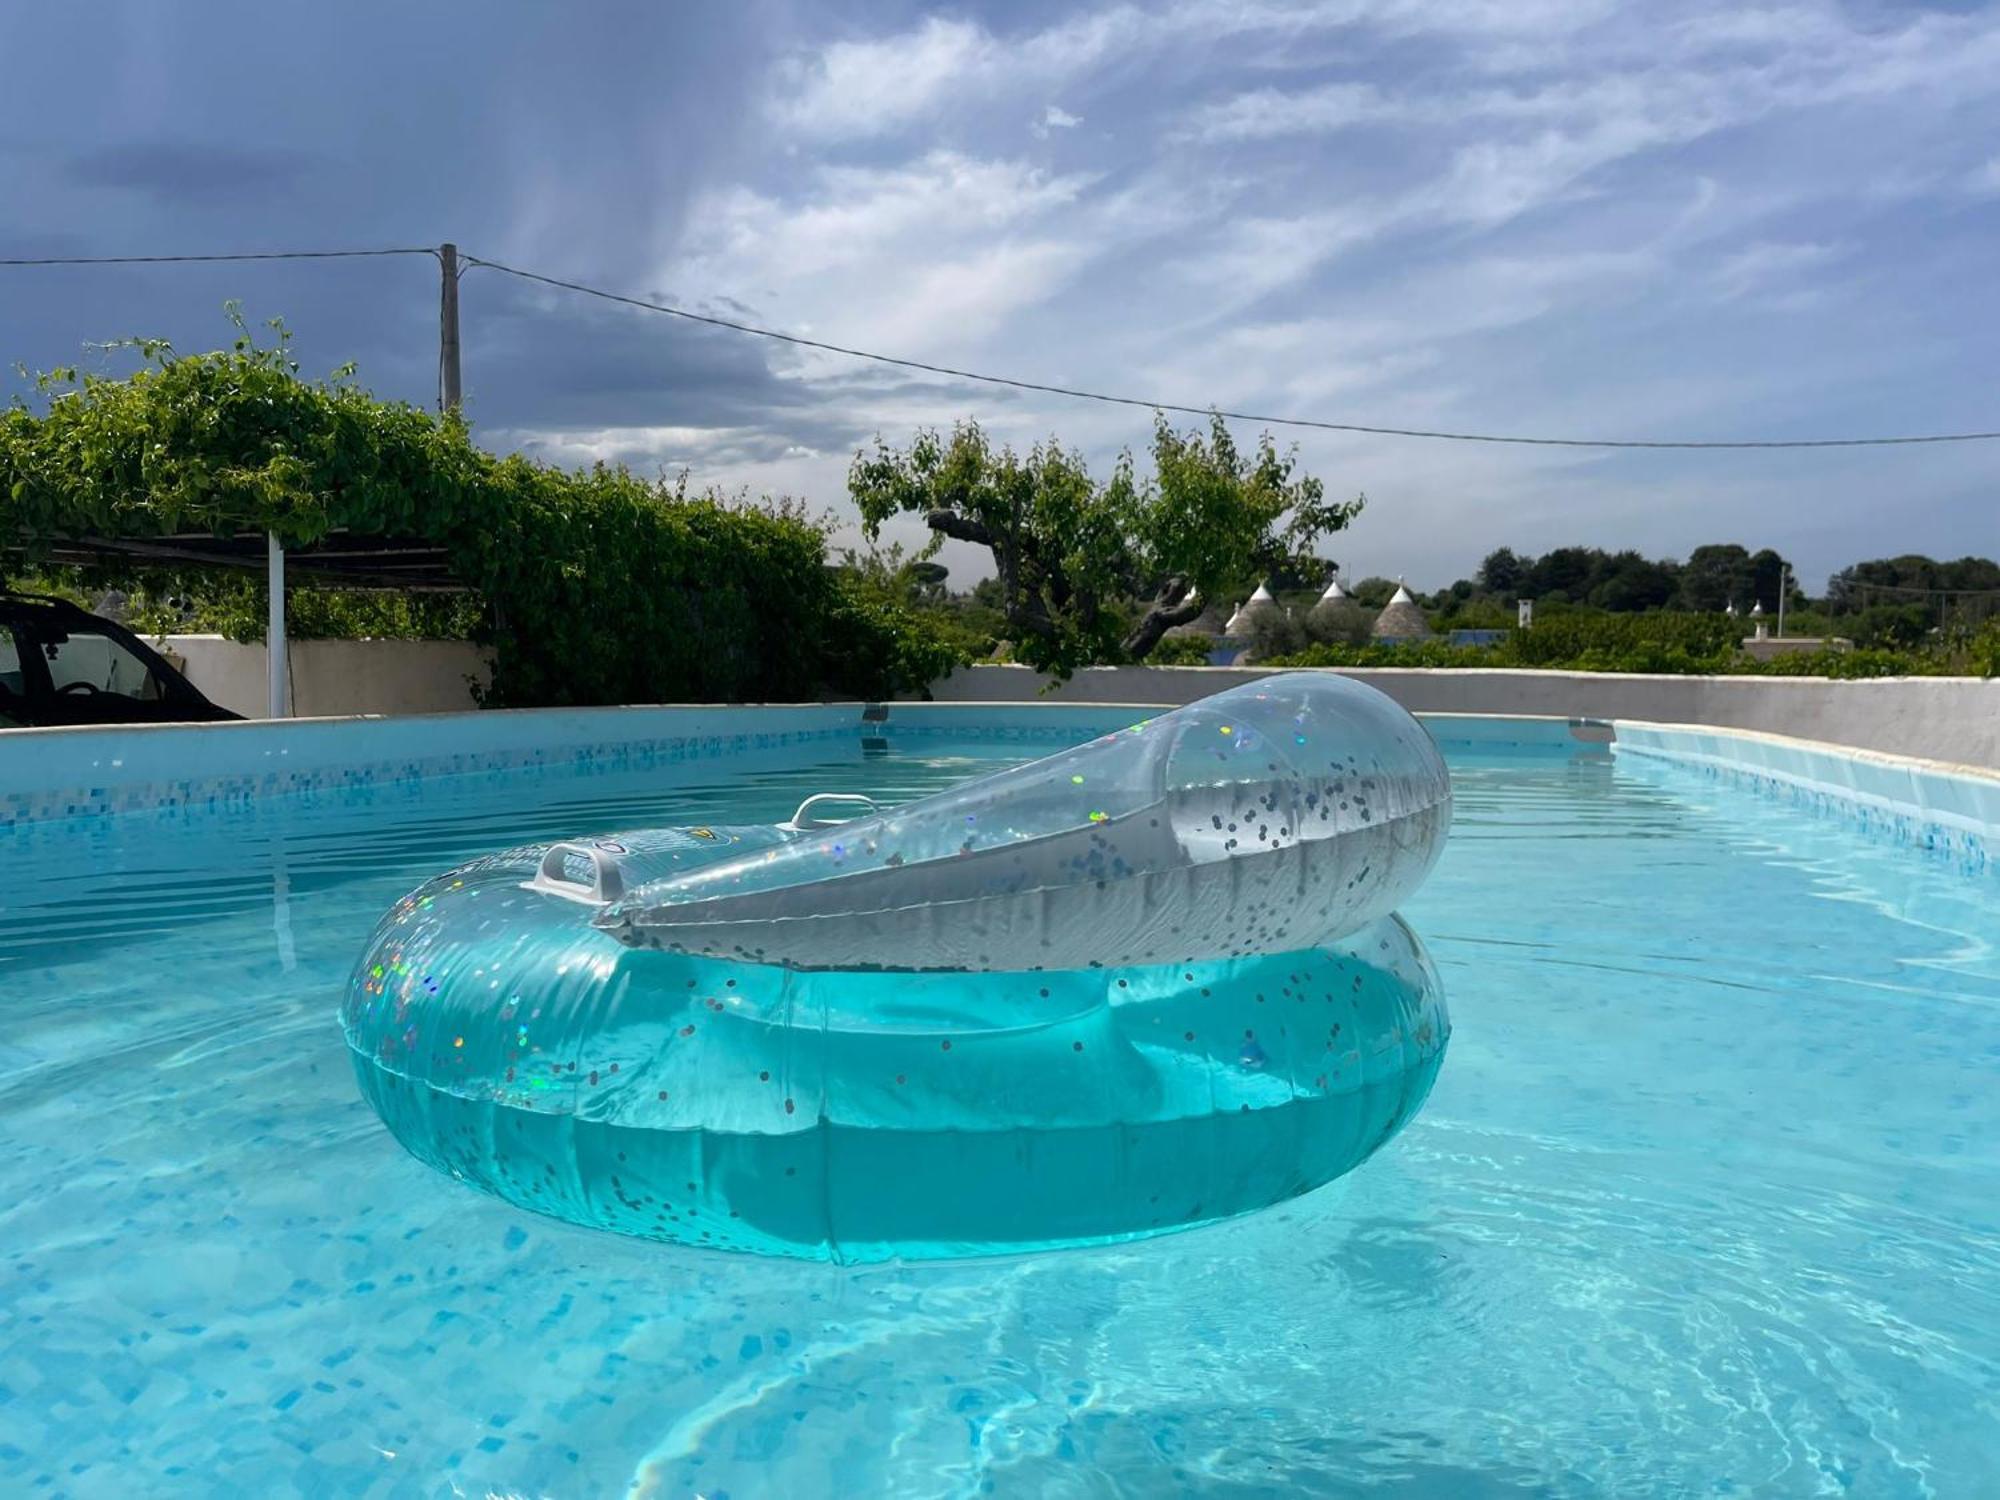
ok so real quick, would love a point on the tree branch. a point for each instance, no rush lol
(1016, 558)
(964, 528)
(1175, 605)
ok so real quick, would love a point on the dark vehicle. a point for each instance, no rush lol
(63, 665)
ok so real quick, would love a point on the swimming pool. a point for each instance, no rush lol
(1705, 1199)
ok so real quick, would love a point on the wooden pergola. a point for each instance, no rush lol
(404, 565)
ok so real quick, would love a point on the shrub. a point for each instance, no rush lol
(1580, 640)
(1275, 634)
(1662, 641)
(1181, 651)
(1342, 624)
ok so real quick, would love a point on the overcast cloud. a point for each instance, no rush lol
(1581, 218)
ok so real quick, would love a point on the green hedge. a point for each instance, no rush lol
(1654, 642)
(1181, 651)
(602, 587)
(1665, 642)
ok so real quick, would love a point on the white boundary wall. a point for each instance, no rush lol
(331, 678)
(1955, 719)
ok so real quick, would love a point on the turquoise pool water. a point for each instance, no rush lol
(1706, 1199)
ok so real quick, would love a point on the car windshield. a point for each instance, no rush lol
(12, 683)
(85, 661)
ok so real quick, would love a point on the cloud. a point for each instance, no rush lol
(1523, 217)
(1268, 114)
(1516, 215)
(932, 254)
(865, 88)
(191, 172)
(857, 89)
(1055, 117)
(1755, 268)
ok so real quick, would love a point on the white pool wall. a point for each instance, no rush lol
(1946, 809)
(1954, 719)
(50, 775)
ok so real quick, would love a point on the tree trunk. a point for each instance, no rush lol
(1021, 577)
(1174, 605)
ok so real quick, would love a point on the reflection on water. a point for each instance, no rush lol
(1705, 1201)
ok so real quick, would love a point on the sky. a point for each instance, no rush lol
(1547, 217)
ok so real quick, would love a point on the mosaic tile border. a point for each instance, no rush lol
(1949, 812)
(115, 770)
(308, 782)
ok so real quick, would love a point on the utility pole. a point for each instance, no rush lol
(1784, 587)
(277, 649)
(448, 389)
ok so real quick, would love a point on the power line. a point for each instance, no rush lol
(1044, 387)
(1203, 411)
(175, 260)
(1915, 588)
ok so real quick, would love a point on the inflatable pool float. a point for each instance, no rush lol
(1144, 984)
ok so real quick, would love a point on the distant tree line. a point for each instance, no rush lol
(1893, 599)
(1713, 578)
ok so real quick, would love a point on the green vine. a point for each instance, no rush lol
(602, 587)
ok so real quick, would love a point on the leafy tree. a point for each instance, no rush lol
(891, 579)
(1070, 551)
(1343, 622)
(1274, 635)
(1964, 591)
(1770, 574)
(1891, 625)
(1503, 572)
(1627, 582)
(1569, 571)
(1373, 592)
(1715, 577)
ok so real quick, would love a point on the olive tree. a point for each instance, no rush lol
(1090, 571)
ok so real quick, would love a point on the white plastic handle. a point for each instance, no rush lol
(804, 820)
(607, 880)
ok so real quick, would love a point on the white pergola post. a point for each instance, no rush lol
(277, 652)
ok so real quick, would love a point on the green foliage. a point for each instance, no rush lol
(1474, 614)
(1275, 634)
(1602, 642)
(1626, 582)
(1890, 625)
(1373, 593)
(1342, 624)
(168, 601)
(1223, 519)
(1071, 553)
(1980, 656)
(913, 587)
(1181, 651)
(871, 649)
(1579, 640)
(1832, 663)
(602, 587)
(1057, 537)
(1908, 578)
(1432, 653)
